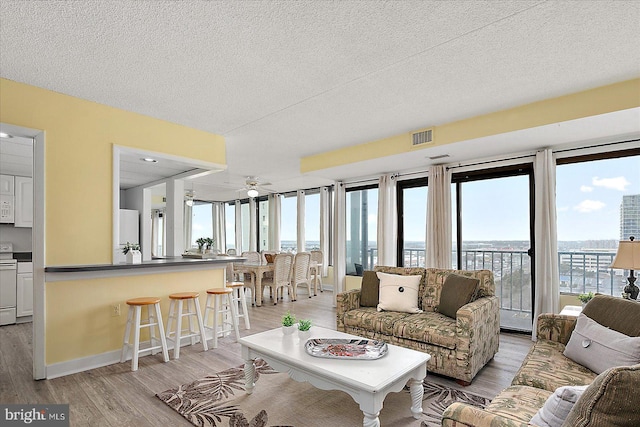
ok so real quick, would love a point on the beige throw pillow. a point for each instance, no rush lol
(398, 293)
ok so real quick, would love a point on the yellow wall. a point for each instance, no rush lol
(78, 162)
(79, 136)
(606, 99)
(79, 321)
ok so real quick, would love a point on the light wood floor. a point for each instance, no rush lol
(115, 396)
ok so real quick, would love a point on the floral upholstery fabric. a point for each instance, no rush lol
(513, 407)
(376, 321)
(545, 367)
(432, 328)
(459, 347)
(554, 327)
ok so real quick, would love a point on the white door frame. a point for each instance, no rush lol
(38, 244)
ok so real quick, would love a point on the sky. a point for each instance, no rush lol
(588, 197)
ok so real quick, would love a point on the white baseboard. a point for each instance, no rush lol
(82, 364)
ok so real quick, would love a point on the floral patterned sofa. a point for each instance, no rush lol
(459, 347)
(546, 368)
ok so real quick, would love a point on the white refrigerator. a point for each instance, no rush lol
(129, 230)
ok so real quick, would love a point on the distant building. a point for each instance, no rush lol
(630, 217)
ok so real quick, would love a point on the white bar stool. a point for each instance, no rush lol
(238, 297)
(176, 313)
(154, 318)
(220, 304)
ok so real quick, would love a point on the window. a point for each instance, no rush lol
(494, 231)
(361, 228)
(201, 222)
(288, 223)
(311, 221)
(597, 204)
(230, 224)
(412, 222)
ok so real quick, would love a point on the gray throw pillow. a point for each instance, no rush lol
(457, 291)
(599, 348)
(370, 289)
(557, 407)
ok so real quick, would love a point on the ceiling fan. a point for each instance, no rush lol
(253, 184)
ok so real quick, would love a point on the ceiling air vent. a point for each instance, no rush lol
(423, 137)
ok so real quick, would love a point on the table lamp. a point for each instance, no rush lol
(628, 258)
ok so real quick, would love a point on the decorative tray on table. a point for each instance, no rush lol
(335, 348)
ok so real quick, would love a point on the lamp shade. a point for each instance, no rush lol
(628, 256)
(252, 192)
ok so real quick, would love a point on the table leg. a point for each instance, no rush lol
(259, 289)
(417, 392)
(371, 420)
(249, 375)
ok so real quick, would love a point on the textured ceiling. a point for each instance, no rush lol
(281, 80)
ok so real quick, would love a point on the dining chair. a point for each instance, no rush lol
(316, 270)
(301, 273)
(281, 277)
(246, 280)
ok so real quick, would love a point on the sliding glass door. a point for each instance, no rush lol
(494, 231)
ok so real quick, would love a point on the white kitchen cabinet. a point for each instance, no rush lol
(24, 288)
(6, 185)
(23, 213)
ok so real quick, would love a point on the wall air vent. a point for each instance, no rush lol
(423, 137)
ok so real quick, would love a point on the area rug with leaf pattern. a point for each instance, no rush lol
(277, 400)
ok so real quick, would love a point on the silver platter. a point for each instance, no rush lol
(346, 348)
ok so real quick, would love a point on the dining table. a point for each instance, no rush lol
(257, 271)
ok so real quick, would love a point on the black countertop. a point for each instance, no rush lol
(164, 262)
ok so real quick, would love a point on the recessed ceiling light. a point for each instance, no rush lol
(149, 159)
(5, 135)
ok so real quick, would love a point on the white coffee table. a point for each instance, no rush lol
(367, 381)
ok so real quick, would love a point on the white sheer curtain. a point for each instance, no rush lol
(547, 287)
(301, 214)
(239, 248)
(275, 213)
(438, 242)
(219, 226)
(339, 237)
(387, 220)
(324, 228)
(187, 221)
(253, 243)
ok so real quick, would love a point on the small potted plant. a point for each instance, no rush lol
(288, 321)
(304, 332)
(132, 251)
(585, 298)
(209, 242)
(201, 244)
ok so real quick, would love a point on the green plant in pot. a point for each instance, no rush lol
(304, 325)
(201, 242)
(288, 322)
(304, 332)
(585, 298)
(130, 247)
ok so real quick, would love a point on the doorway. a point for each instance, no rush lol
(38, 243)
(494, 230)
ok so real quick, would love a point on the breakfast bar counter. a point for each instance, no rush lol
(160, 265)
